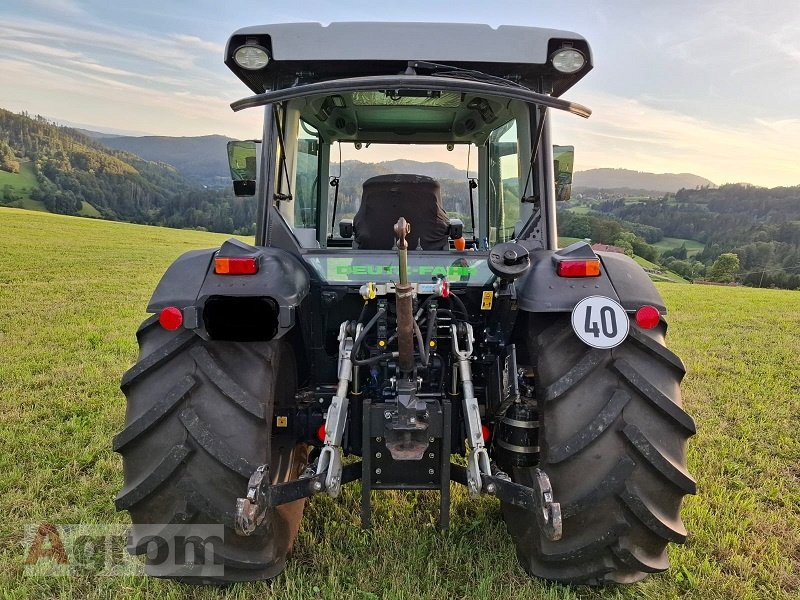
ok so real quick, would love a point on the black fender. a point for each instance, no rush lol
(191, 283)
(542, 290)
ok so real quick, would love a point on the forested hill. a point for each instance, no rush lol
(606, 179)
(201, 159)
(64, 171)
(760, 226)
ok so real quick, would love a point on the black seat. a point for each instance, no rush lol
(386, 198)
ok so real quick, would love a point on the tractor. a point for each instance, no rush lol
(418, 332)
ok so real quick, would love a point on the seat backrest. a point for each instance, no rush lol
(386, 198)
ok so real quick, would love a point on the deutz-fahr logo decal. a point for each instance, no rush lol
(451, 271)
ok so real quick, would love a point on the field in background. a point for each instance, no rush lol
(73, 291)
(668, 243)
(22, 184)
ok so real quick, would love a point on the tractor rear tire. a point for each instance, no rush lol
(199, 422)
(613, 442)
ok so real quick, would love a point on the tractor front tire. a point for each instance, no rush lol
(199, 422)
(613, 443)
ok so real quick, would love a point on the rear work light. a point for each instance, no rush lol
(585, 267)
(240, 265)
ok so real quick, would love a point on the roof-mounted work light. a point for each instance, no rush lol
(568, 60)
(251, 57)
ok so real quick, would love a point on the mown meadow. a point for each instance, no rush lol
(72, 292)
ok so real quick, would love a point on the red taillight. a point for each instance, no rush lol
(321, 433)
(647, 317)
(239, 265)
(588, 267)
(170, 318)
(485, 433)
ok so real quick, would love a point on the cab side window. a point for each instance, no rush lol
(504, 190)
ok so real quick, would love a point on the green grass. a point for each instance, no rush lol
(668, 243)
(87, 210)
(72, 292)
(563, 242)
(663, 275)
(31, 204)
(581, 210)
(23, 182)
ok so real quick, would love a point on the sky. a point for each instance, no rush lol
(711, 88)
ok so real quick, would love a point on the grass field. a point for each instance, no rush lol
(663, 275)
(563, 242)
(23, 182)
(72, 292)
(668, 243)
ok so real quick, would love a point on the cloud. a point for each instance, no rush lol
(629, 133)
(62, 7)
(193, 41)
(107, 103)
(109, 43)
(27, 48)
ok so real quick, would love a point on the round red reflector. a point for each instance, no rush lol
(485, 433)
(170, 318)
(321, 433)
(647, 317)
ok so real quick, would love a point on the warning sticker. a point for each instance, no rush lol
(486, 301)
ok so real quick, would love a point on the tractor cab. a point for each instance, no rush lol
(448, 107)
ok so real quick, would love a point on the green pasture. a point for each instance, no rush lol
(72, 292)
(668, 243)
(23, 183)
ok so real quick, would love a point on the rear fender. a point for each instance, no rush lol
(541, 290)
(269, 297)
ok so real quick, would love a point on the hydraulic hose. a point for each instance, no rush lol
(423, 351)
(361, 336)
(460, 304)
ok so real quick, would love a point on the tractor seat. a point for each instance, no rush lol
(386, 198)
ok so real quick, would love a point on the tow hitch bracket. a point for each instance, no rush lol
(262, 495)
(538, 499)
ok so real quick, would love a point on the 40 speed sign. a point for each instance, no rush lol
(600, 322)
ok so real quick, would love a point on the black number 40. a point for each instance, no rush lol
(608, 322)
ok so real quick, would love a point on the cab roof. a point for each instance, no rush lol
(304, 52)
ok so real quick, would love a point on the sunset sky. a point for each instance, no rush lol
(711, 88)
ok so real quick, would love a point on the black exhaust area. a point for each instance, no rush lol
(241, 319)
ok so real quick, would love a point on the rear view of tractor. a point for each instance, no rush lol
(406, 322)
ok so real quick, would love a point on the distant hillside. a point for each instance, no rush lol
(760, 226)
(437, 170)
(637, 180)
(201, 159)
(58, 169)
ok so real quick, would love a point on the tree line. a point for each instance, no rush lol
(760, 227)
(71, 169)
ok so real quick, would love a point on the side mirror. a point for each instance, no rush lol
(563, 162)
(242, 162)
